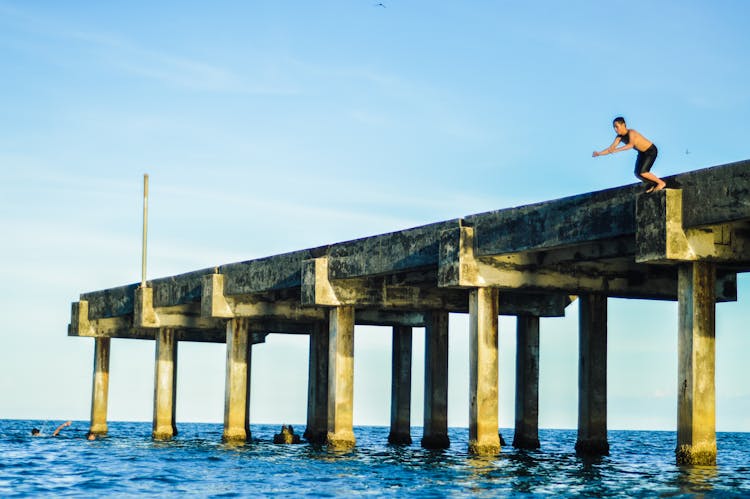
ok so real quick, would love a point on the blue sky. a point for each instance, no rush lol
(274, 126)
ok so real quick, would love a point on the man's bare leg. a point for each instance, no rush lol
(660, 184)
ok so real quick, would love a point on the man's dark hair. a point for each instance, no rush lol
(35, 431)
(619, 119)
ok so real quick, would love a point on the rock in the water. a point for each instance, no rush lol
(286, 436)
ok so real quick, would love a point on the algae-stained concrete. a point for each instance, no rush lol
(436, 382)
(317, 385)
(526, 435)
(165, 385)
(100, 387)
(401, 347)
(237, 382)
(341, 378)
(590, 243)
(696, 345)
(592, 376)
(484, 438)
(713, 196)
(618, 242)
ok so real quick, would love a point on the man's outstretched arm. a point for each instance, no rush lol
(57, 430)
(613, 148)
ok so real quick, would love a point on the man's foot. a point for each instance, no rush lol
(656, 187)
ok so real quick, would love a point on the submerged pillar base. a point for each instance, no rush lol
(315, 437)
(700, 454)
(525, 442)
(485, 447)
(592, 447)
(98, 429)
(163, 433)
(436, 441)
(235, 436)
(341, 440)
(399, 438)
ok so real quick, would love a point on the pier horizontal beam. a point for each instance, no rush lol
(215, 303)
(266, 274)
(602, 242)
(413, 291)
(376, 292)
(387, 253)
(712, 196)
(663, 238)
(715, 195)
(459, 267)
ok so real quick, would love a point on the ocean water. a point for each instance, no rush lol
(128, 463)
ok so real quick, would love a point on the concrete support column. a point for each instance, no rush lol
(237, 382)
(401, 386)
(341, 378)
(317, 385)
(165, 384)
(526, 435)
(100, 386)
(696, 391)
(436, 382)
(592, 376)
(484, 438)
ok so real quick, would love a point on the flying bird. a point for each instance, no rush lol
(381, 4)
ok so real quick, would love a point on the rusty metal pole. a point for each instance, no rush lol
(145, 229)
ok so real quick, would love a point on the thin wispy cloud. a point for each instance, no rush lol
(125, 55)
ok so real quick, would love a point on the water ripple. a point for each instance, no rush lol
(129, 463)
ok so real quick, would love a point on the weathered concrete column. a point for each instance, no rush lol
(592, 376)
(100, 386)
(317, 385)
(237, 382)
(696, 391)
(436, 382)
(165, 384)
(484, 438)
(526, 435)
(401, 386)
(341, 378)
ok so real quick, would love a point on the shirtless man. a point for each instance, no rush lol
(647, 153)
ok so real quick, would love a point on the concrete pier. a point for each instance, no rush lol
(686, 243)
(165, 383)
(401, 386)
(696, 391)
(436, 382)
(100, 386)
(341, 378)
(317, 388)
(484, 438)
(526, 435)
(592, 376)
(237, 384)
